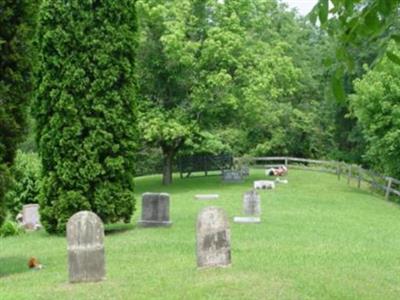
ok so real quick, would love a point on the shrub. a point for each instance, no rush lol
(10, 228)
(25, 187)
(85, 109)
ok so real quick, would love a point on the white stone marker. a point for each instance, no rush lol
(247, 220)
(213, 238)
(284, 181)
(264, 184)
(207, 197)
(31, 216)
(85, 236)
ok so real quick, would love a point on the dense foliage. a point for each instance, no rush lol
(240, 76)
(357, 24)
(26, 182)
(361, 31)
(85, 109)
(15, 82)
(376, 106)
(178, 90)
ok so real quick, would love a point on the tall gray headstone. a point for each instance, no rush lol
(85, 236)
(155, 210)
(251, 203)
(30, 216)
(213, 238)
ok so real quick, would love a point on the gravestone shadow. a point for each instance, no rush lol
(111, 229)
(12, 265)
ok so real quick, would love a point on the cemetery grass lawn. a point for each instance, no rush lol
(319, 239)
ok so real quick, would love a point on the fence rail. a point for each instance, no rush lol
(388, 185)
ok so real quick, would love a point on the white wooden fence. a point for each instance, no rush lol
(386, 184)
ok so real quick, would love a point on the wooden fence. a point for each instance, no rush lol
(388, 185)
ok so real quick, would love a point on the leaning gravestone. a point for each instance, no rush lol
(30, 216)
(251, 203)
(155, 210)
(85, 236)
(213, 238)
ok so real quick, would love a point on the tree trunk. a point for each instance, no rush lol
(167, 167)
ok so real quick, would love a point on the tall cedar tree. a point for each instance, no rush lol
(15, 82)
(86, 110)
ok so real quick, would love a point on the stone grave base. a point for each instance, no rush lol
(142, 223)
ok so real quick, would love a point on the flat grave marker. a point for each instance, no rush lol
(206, 196)
(247, 220)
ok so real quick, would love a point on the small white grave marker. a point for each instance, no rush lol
(207, 197)
(247, 220)
(264, 184)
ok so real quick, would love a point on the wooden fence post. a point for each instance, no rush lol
(359, 177)
(338, 170)
(373, 184)
(286, 162)
(349, 175)
(389, 186)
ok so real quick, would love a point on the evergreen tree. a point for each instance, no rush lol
(85, 109)
(15, 71)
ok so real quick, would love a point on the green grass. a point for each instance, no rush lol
(319, 239)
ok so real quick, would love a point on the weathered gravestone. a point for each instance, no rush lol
(232, 176)
(155, 210)
(85, 236)
(245, 171)
(213, 238)
(251, 203)
(30, 216)
(264, 184)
